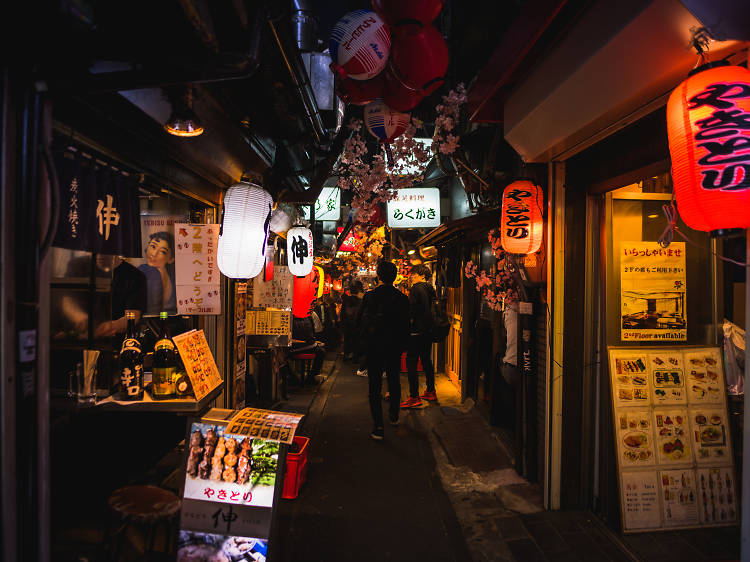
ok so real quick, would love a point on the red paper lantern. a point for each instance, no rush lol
(522, 222)
(327, 286)
(419, 58)
(397, 12)
(396, 95)
(338, 285)
(305, 291)
(359, 92)
(708, 123)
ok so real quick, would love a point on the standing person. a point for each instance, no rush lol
(349, 310)
(385, 329)
(511, 375)
(421, 297)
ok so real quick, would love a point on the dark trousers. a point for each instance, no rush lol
(419, 348)
(390, 362)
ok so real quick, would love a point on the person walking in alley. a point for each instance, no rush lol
(384, 322)
(421, 297)
(350, 304)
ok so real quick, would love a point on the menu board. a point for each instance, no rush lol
(265, 424)
(199, 362)
(268, 322)
(197, 273)
(672, 435)
(274, 293)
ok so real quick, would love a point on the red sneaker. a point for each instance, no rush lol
(429, 395)
(411, 403)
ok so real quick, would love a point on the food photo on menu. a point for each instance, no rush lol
(704, 377)
(710, 436)
(230, 468)
(208, 547)
(636, 444)
(668, 378)
(631, 380)
(672, 429)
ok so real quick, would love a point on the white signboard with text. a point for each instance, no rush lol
(327, 205)
(417, 207)
(197, 274)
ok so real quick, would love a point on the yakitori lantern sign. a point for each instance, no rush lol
(299, 249)
(305, 291)
(522, 222)
(242, 244)
(708, 123)
(360, 45)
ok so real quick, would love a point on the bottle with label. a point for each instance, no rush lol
(131, 363)
(164, 363)
(182, 386)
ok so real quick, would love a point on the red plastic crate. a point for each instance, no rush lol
(296, 469)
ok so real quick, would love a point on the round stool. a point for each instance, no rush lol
(147, 507)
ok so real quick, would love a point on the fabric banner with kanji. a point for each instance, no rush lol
(98, 208)
(198, 277)
(652, 292)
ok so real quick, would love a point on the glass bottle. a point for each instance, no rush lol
(164, 363)
(131, 363)
(182, 386)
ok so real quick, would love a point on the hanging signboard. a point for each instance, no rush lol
(652, 292)
(672, 438)
(416, 207)
(240, 345)
(275, 293)
(327, 205)
(198, 278)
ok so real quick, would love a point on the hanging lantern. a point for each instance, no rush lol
(398, 12)
(384, 123)
(396, 95)
(338, 285)
(419, 58)
(327, 285)
(359, 92)
(299, 250)
(321, 282)
(709, 141)
(522, 222)
(305, 292)
(242, 244)
(360, 45)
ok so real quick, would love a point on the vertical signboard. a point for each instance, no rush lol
(198, 276)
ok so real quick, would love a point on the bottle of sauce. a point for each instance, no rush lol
(164, 363)
(131, 363)
(182, 386)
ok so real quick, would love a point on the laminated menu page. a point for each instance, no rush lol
(710, 435)
(717, 495)
(667, 377)
(199, 362)
(679, 499)
(630, 381)
(673, 439)
(635, 441)
(705, 380)
(640, 502)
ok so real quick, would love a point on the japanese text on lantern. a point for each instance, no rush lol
(724, 136)
(196, 270)
(517, 220)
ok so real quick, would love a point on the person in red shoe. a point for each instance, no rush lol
(421, 297)
(384, 323)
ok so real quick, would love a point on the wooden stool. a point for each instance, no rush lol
(147, 507)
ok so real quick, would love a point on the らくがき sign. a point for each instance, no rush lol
(417, 207)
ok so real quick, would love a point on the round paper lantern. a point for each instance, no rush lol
(419, 58)
(305, 291)
(244, 231)
(396, 95)
(321, 281)
(299, 250)
(522, 222)
(359, 92)
(383, 122)
(360, 45)
(708, 124)
(396, 12)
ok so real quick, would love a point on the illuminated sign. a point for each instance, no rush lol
(327, 205)
(417, 207)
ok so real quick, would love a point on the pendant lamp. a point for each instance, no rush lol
(242, 243)
(522, 221)
(708, 125)
(299, 250)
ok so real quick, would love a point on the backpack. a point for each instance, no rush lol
(441, 324)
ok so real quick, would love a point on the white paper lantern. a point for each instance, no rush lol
(299, 250)
(242, 244)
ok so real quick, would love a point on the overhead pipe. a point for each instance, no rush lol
(298, 74)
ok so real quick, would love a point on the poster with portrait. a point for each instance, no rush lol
(158, 262)
(652, 292)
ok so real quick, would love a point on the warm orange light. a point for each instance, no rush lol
(708, 123)
(522, 222)
(321, 280)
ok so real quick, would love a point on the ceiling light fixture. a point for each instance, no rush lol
(183, 122)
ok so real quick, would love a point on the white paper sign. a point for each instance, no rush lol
(640, 504)
(197, 274)
(327, 205)
(417, 207)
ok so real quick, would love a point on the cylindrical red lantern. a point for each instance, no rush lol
(396, 95)
(708, 123)
(419, 58)
(360, 45)
(397, 12)
(305, 291)
(522, 222)
(360, 92)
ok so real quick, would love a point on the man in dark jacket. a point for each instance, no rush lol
(350, 305)
(421, 297)
(384, 322)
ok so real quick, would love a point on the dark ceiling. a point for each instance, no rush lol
(236, 54)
